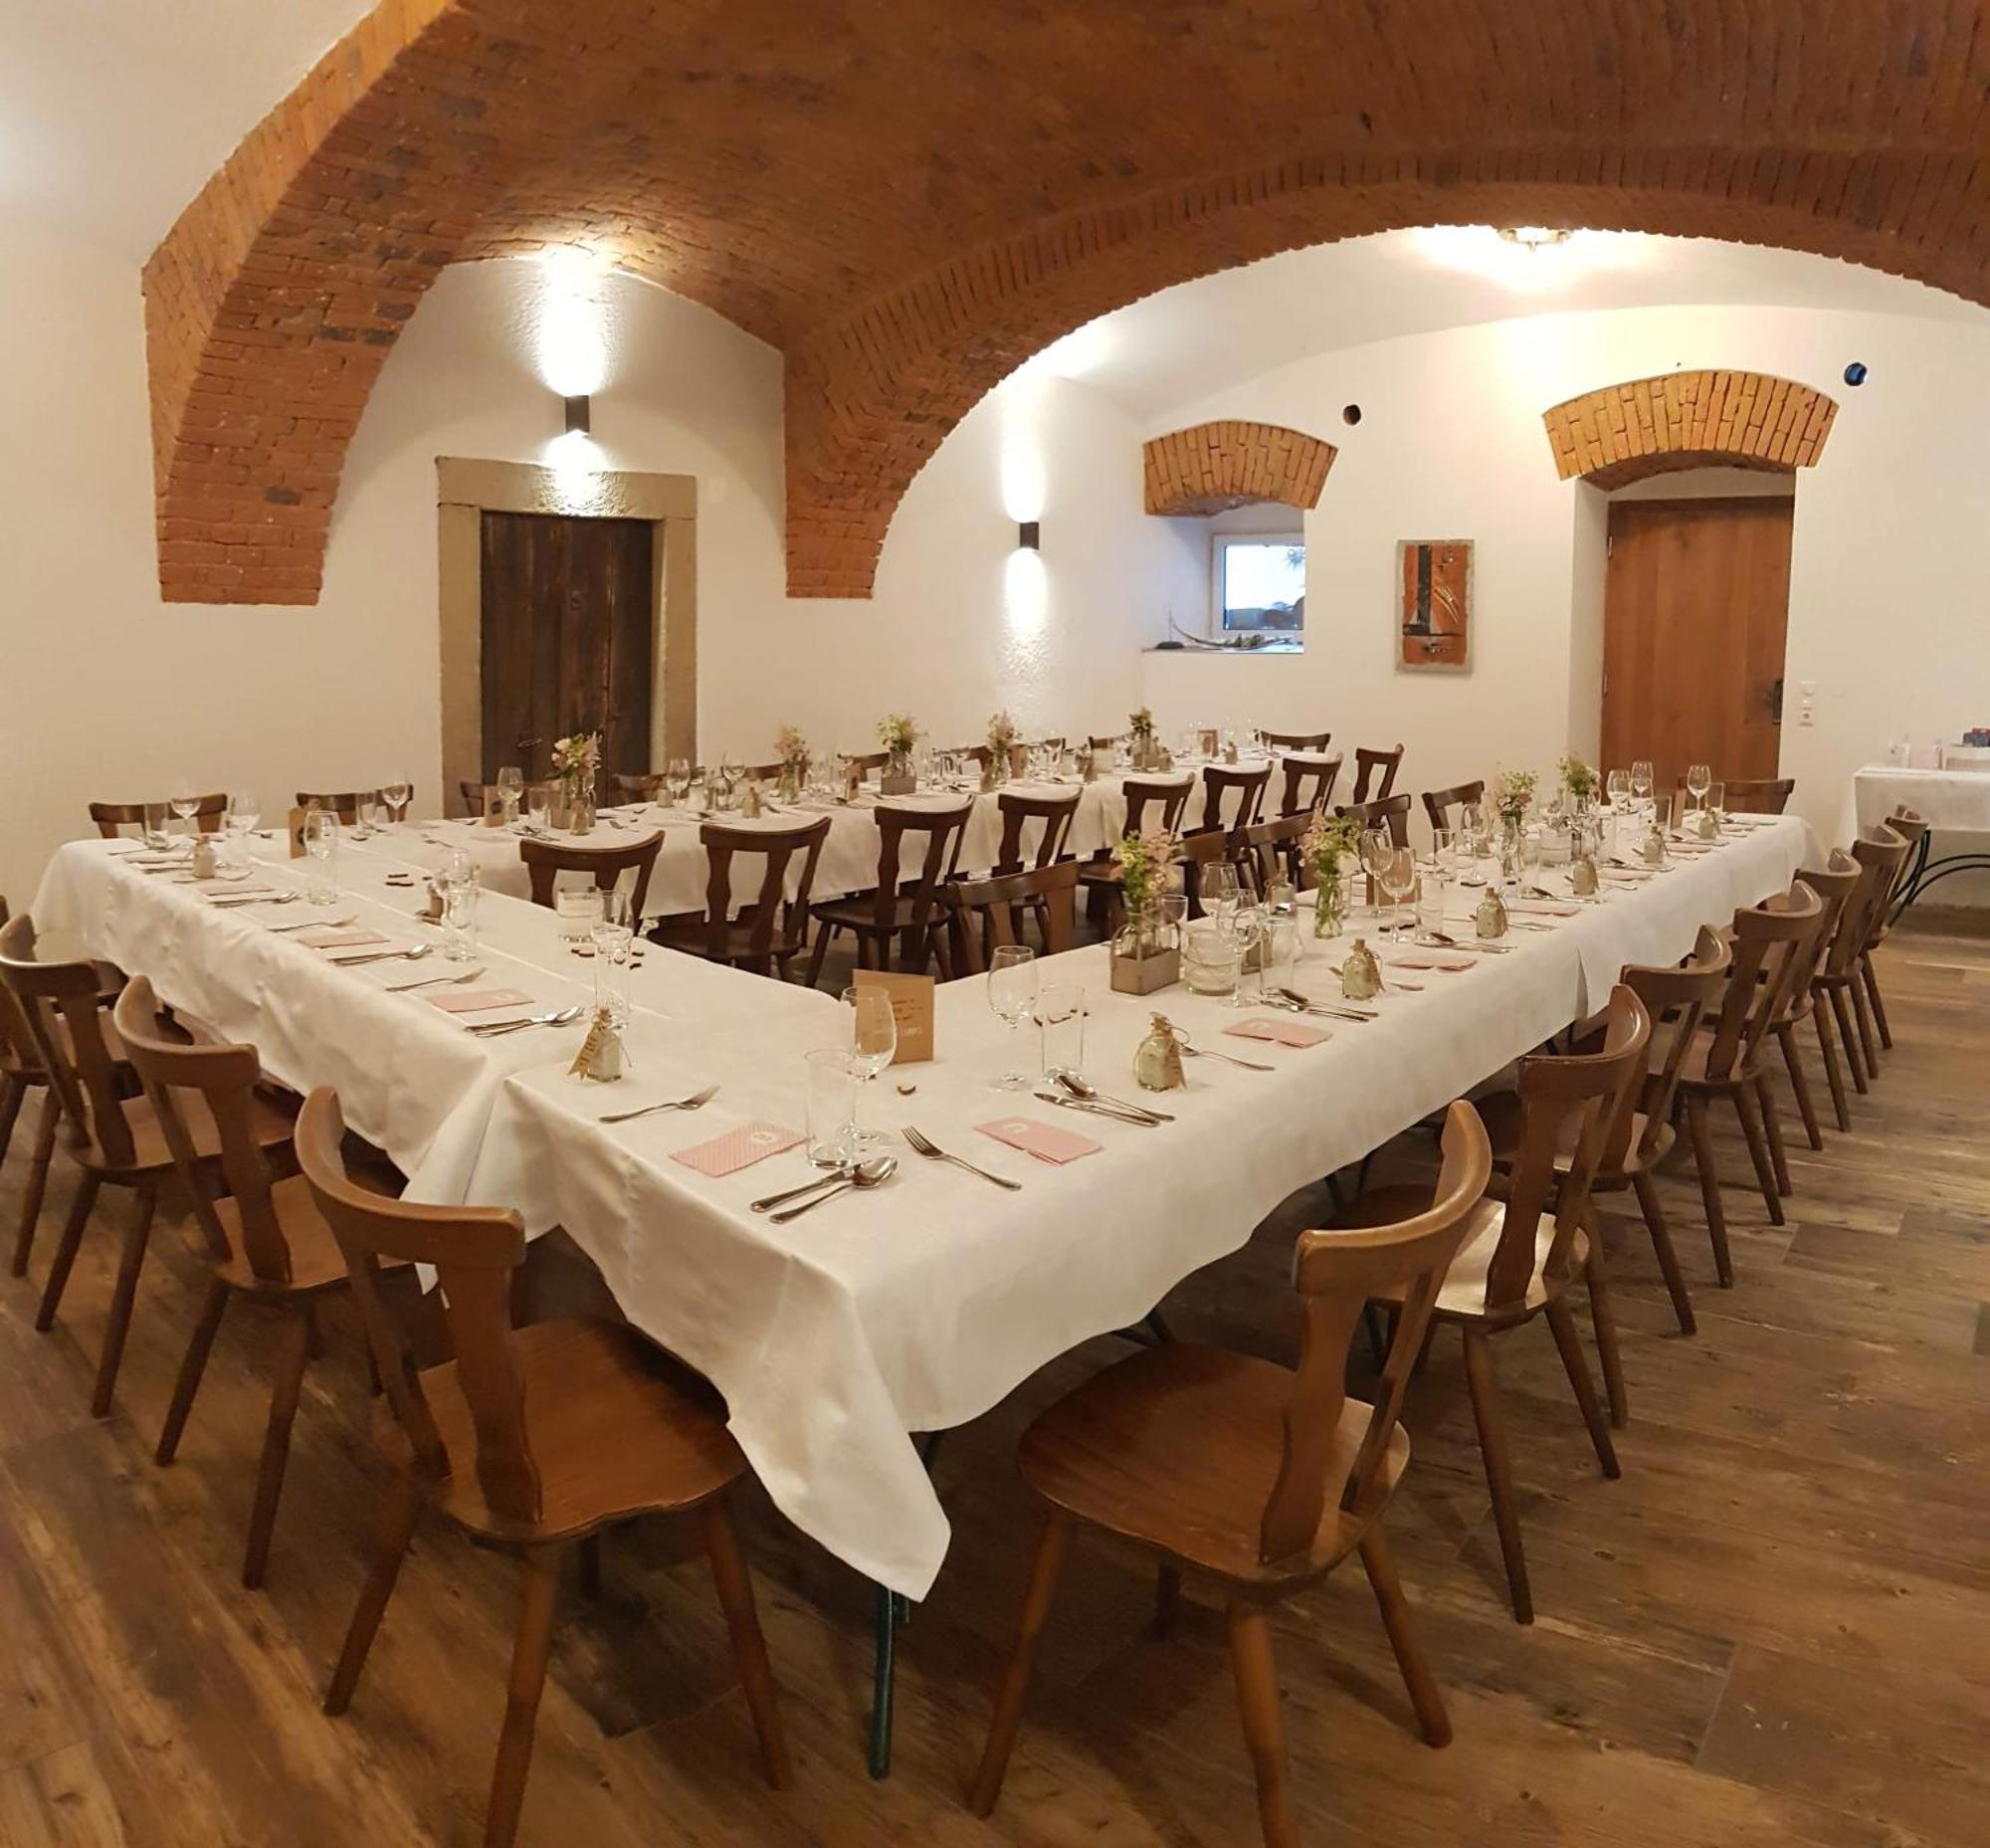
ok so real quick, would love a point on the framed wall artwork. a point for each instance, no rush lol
(1434, 620)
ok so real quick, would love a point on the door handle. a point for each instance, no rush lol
(1776, 701)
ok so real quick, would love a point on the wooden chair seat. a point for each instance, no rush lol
(616, 1428)
(1649, 1142)
(859, 911)
(316, 1260)
(1178, 1447)
(689, 932)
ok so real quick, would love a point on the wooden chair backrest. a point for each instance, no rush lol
(110, 816)
(1172, 798)
(1335, 1273)
(473, 797)
(868, 761)
(1880, 852)
(1676, 997)
(641, 788)
(344, 803)
(1198, 848)
(1056, 813)
(1298, 741)
(774, 921)
(987, 912)
(1268, 851)
(1439, 803)
(545, 860)
(18, 1051)
(1770, 942)
(1758, 795)
(475, 1250)
(1370, 765)
(1219, 780)
(940, 832)
(1308, 784)
(78, 1063)
(1106, 744)
(1589, 1089)
(225, 1077)
(1838, 885)
(1391, 812)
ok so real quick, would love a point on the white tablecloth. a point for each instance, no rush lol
(919, 1306)
(1958, 801)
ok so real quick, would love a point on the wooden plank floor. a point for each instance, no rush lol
(1773, 1630)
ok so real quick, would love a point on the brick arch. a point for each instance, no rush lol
(803, 172)
(1213, 467)
(1688, 419)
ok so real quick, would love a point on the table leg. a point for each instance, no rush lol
(892, 1611)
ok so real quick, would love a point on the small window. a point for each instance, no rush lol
(1260, 585)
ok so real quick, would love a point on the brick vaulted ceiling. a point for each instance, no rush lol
(909, 197)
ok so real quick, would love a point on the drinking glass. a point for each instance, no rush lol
(1397, 875)
(1211, 957)
(183, 799)
(244, 812)
(365, 813)
(459, 918)
(1060, 1013)
(321, 849)
(1532, 849)
(1278, 954)
(874, 1044)
(1012, 993)
(613, 934)
(1641, 779)
(579, 909)
(1471, 833)
(540, 807)
(1444, 848)
(1617, 786)
(1716, 800)
(512, 786)
(1246, 926)
(395, 794)
(1377, 843)
(1220, 888)
(832, 1106)
(676, 781)
(1430, 908)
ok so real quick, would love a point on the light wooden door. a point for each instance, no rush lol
(1695, 604)
(568, 622)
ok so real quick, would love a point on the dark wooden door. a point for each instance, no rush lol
(1695, 604)
(570, 611)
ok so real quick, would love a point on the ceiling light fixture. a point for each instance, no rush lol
(1533, 237)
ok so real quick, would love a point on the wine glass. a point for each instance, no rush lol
(1221, 891)
(395, 794)
(1397, 875)
(1245, 926)
(512, 786)
(874, 1044)
(183, 799)
(1641, 779)
(1012, 994)
(676, 781)
(1376, 845)
(1698, 778)
(1471, 840)
(321, 846)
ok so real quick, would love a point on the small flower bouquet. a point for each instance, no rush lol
(1578, 779)
(1331, 839)
(792, 751)
(576, 766)
(1514, 795)
(1145, 955)
(897, 733)
(1001, 734)
(1140, 729)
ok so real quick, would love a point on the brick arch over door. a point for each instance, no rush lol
(911, 197)
(1211, 468)
(1688, 419)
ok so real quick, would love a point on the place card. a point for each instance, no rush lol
(1043, 1139)
(1280, 1032)
(478, 1001)
(738, 1148)
(912, 1009)
(494, 806)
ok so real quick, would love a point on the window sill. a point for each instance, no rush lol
(1283, 649)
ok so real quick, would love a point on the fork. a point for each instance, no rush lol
(313, 924)
(1204, 1052)
(696, 1101)
(436, 981)
(920, 1147)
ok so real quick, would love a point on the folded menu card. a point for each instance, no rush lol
(1043, 1139)
(1282, 1032)
(738, 1148)
(912, 1009)
(1431, 960)
(478, 1001)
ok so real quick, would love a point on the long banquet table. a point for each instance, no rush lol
(918, 1305)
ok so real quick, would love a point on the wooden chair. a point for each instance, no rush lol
(113, 1140)
(1912, 830)
(867, 760)
(344, 803)
(1519, 1258)
(987, 912)
(1377, 767)
(1308, 784)
(1838, 885)
(1200, 848)
(1253, 1475)
(1391, 812)
(109, 817)
(1839, 981)
(1109, 742)
(1298, 741)
(772, 928)
(266, 1241)
(913, 910)
(1218, 780)
(529, 1440)
(22, 1074)
(1268, 851)
(1099, 876)
(473, 798)
(1641, 1134)
(1055, 813)
(641, 788)
(1756, 796)
(1725, 1055)
(547, 860)
(1440, 806)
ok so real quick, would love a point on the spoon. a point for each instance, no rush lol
(558, 1018)
(827, 1178)
(872, 1174)
(436, 981)
(1204, 1052)
(1487, 949)
(1082, 1087)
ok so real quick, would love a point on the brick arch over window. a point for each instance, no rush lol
(1211, 468)
(908, 198)
(1688, 419)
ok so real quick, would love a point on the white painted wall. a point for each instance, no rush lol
(1887, 603)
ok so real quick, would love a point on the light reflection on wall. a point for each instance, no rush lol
(1532, 270)
(570, 335)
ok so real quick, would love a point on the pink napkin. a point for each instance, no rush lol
(478, 1001)
(1282, 1032)
(1541, 907)
(1043, 1139)
(325, 937)
(1425, 960)
(738, 1148)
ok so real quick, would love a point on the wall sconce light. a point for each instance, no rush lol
(578, 414)
(1029, 536)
